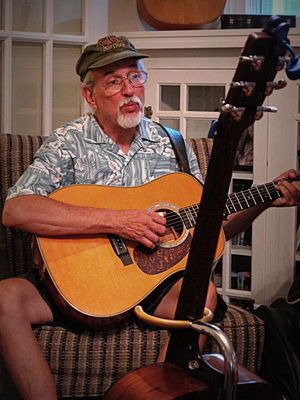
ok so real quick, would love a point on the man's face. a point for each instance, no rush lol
(123, 108)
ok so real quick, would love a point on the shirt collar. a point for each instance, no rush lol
(93, 133)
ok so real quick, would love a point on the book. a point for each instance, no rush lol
(244, 21)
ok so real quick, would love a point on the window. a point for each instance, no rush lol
(267, 7)
(40, 42)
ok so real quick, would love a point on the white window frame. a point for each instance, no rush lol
(95, 25)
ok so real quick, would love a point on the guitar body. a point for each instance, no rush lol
(88, 280)
(179, 14)
(157, 382)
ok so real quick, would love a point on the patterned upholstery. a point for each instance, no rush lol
(86, 363)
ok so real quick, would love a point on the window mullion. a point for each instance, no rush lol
(7, 85)
(47, 87)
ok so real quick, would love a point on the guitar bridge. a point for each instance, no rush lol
(120, 249)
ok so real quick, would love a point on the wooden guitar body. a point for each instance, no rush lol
(84, 273)
(166, 381)
(179, 14)
(85, 276)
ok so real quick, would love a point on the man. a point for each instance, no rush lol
(114, 145)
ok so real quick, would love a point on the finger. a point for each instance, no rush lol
(150, 243)
(289, 193)
(291, 173)
(153, 237)
(159, 217)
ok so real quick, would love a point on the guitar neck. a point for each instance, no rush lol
(238, 201)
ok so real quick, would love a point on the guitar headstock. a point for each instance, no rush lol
(253, 80)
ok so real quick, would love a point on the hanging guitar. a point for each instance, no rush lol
(186, 374)
(178, 14)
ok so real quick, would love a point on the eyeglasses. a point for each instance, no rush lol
(115, 83)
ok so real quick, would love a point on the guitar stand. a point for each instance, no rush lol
(228, 363)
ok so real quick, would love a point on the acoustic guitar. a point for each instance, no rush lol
(179, 14)
(84, 273)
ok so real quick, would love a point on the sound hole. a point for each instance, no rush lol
(175, 228)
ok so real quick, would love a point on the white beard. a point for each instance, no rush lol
(127, 121)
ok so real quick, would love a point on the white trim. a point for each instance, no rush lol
(43, 37)
(197, 39)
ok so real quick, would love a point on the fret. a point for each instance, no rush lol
(230, 205)
(194, 212)
(185, 217)
(238, 205)
(257, 196)
(273, 192)
(227, 210)
(192, 216)
(250, 198)
(243, 199)
(264, 192)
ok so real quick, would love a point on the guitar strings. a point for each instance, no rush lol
(256, 194)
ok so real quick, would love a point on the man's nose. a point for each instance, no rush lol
(127, 87)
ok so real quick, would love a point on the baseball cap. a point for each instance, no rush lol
(106, 51)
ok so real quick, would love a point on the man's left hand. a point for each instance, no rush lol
(290, 190)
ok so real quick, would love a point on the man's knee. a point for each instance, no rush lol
(20, 299)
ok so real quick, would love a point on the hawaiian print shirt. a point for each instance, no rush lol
(80, 153)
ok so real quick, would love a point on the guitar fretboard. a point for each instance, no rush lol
(258, 194)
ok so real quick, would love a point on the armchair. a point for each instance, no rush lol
(86, 363)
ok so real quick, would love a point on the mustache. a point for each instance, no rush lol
(130, 99)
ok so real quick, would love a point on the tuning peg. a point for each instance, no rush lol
(247, 87)
(270, 86)
(236, 112)
(256, 61)
(261, 109)
(266, 109)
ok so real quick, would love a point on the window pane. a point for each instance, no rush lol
(197, 128)
(171, 122)
(66, 84)
(205, 98)
(28, 15)
(27, 86)
(281, 7)
(169, 98)
(68, 17)
(1, 15)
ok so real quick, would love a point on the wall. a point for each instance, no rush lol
(123, 17)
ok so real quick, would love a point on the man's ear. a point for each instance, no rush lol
(87, 93)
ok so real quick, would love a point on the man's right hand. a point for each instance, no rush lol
(143, 226)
